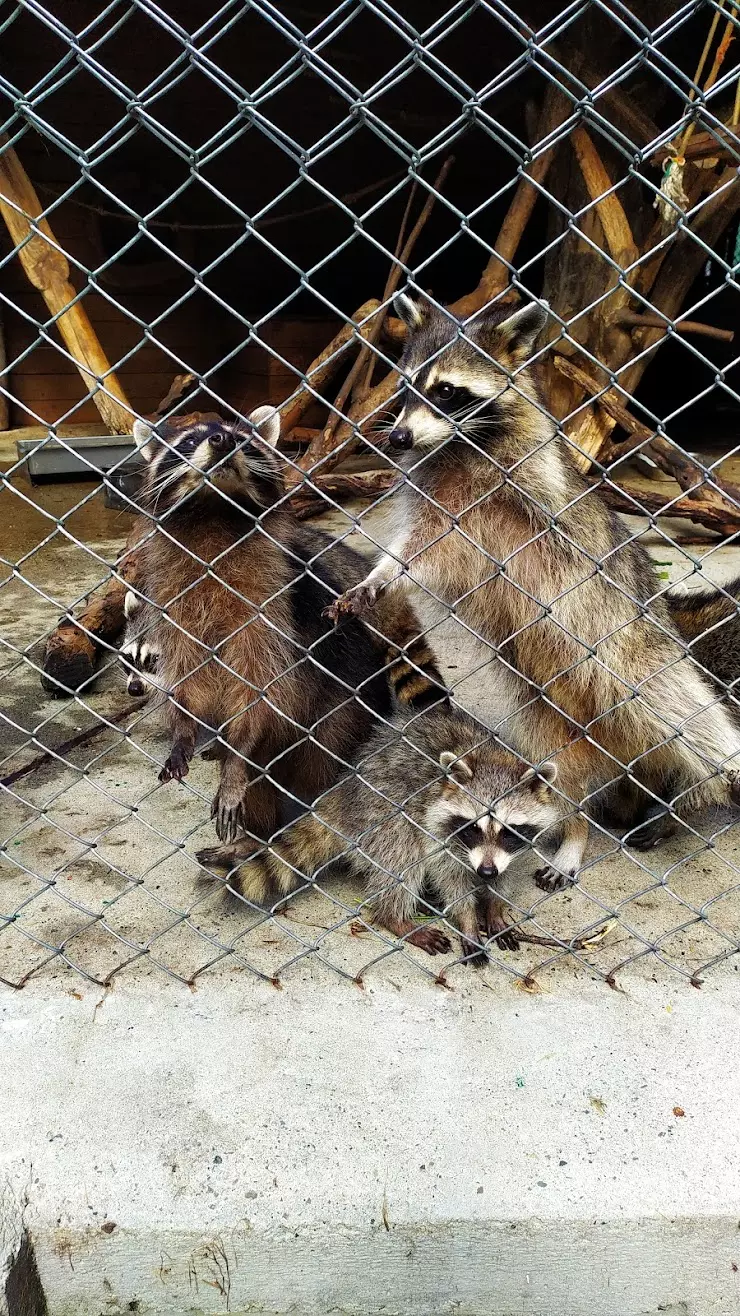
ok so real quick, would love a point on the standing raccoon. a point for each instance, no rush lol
(434, 798)
(500, 526)
(232, 590)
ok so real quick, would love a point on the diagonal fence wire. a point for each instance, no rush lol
(99, 869)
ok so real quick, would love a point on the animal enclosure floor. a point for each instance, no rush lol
(97, 870)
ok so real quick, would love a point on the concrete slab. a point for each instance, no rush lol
(510, 1146)
(405, 1149)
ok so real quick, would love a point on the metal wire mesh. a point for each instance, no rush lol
(99, 868)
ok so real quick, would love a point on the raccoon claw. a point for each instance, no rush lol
(229, 819)
(652, 832)
(213, 856)
(431, 940)
(355, 602)
(176, 767)
(549, 879)
(473, 953)
(503, 935)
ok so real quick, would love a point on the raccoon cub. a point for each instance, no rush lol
(236, 588)
(434, 798)
(496, 521)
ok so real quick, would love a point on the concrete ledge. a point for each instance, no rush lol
(405, 1149)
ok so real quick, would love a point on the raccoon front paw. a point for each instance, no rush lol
(177, 765)
(431, 940)
(473, 954)
(549, 879)
(658, 826)
(228, 815)
(354, 602)
(502, 934)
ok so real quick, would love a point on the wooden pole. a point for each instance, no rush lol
(47, 269)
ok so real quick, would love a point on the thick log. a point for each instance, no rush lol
(47, 268)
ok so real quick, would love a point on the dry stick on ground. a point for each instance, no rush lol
(326, 363)
(339, 433)
(47, 268)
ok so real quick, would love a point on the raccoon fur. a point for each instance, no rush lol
(234, 589)
(496, 521)
(435, 798)
(708, 620)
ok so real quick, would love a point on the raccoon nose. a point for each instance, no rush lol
(401, 437)
(221, 440)
(487, 871)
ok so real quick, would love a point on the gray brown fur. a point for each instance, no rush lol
(497, 522)
(237, 588)
(432, 798)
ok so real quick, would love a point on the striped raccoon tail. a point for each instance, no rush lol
(413, 673)
(708, 622)
(265, 872)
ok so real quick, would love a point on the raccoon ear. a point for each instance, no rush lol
(143, 435)
(408, 310)
(539, 779)
(520, 331)
(456, 767)
(267, 421)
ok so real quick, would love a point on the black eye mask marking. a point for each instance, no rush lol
(516, 838)
(466, 832)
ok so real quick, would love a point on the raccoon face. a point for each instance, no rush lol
(490, 811)
(472, 387)
(236, 460)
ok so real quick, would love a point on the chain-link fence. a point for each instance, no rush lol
(403, 631)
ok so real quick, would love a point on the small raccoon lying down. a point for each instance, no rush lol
(435, 798)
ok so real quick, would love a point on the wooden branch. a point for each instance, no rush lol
(609, 208)
(47, 268)
(326, 364)
(724, 521)
(495, 277)
(308, 501)
(177, 389)
(720, 500)
(636, 320)
(326, 451)
(720, 142)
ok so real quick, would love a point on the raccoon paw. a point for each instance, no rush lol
(213, 753)
(177, 765)
(473, 953)
(357, 601)
(549, 879)
(431, 940)
(657, 827)
(503, 936)
(228, 816)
